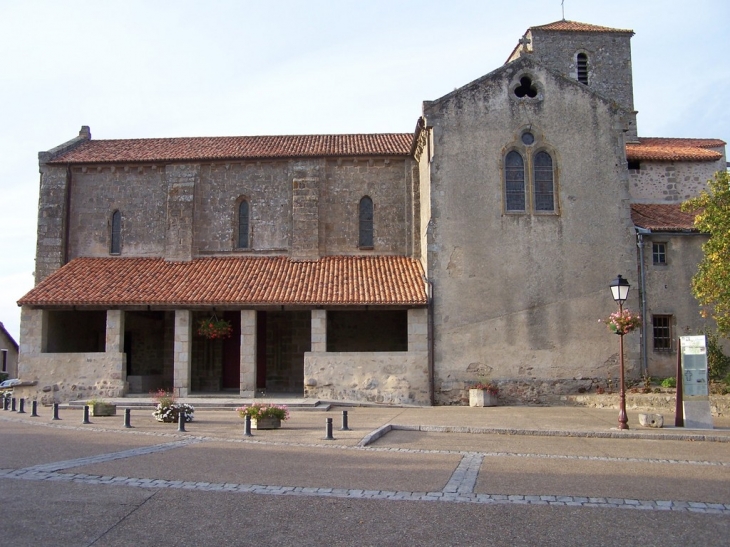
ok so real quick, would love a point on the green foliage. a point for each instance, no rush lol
(718, 364)
(711, 283)
(3, 376)
(669, 382)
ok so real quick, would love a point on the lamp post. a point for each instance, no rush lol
(620, 292)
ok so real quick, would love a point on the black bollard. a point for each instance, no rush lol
(328, 430)
(55, 412)
(181, 422)
(21, 406)
(127, 417)
(344, 422)
(86, 415)
(12, 404)
(34, 409)
(247, 426)
(6, 402)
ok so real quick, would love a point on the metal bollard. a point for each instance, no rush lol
(34, 409)
(6, 402)
(127, 417)
(55, 412)
(86, 415)
(181, 422)
(328, 430)
(21, 406)
(12, 404)
(247, 426)
(344, 422)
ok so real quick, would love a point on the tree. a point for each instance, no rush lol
(711, 283)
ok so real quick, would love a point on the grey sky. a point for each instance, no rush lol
(164, 68)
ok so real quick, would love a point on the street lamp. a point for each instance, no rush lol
(620, 292)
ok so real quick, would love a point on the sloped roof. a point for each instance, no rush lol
(673, 149)
(575, 26)
(662, 217)
(219, 281)
(232, 148)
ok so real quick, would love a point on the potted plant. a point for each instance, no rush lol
(99, 407)
(622, 322)
(169, 411)
(264, 416)
(483, 394)
(214, 328)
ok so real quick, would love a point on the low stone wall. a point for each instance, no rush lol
(382, 377)
(651, 402)
(65, 377)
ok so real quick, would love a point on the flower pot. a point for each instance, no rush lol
(103, 409)
(266, 423)
(481, 397)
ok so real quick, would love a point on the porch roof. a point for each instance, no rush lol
(225, 281)
(664, 217)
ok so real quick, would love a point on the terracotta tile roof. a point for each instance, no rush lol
(667, 149)
(217, 281)
(575, 26)
(222, 148)
(662, 218)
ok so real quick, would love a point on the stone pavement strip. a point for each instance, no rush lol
(459, 488)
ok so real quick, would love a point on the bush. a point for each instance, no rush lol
(718, 364)
(669, 382)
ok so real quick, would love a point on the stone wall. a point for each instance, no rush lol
(519, 296)
(671, 182)
(383, 377)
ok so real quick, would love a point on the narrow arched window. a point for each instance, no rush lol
(243, 225)
(116, 240)
(581, 61)
(366, 223)
(514, 182)
(544, 187)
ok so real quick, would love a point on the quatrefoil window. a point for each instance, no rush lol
(526, 88)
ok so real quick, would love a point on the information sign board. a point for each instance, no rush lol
(695, 388)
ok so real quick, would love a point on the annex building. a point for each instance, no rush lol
(394, 268)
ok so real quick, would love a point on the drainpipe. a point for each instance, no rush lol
(640, 233)
(431, 381)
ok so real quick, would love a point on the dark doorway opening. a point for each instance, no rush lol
(282, 340)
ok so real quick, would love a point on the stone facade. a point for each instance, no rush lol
(516, 288)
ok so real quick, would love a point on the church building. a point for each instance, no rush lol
(390, 268)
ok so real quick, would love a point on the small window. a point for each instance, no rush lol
(366, 223)
(544, 199)
(5, 360)
(634, 165)
(659, 253)
(662, 332)
(116, 240)
(514, 182)
(526, 88)
(243, 225)
(582, 65)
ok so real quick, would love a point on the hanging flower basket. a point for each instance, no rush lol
(622, 322)
(214, 328)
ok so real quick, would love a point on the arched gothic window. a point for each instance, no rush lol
(366, 223)
(581, 62)
(115, 247)
(514, 183)
(543, 182)
(243, 224)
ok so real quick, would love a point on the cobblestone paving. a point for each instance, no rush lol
(459, 488)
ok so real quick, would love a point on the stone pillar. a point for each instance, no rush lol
(248, 353)
(181, 181)
(305, 219)
(418, 329)
(181, 353)
(115, 344)
(319, 331)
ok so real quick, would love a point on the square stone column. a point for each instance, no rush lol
(181, 352)
(248, 353)
(319, 331)
(418, 329)
(115, 345)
